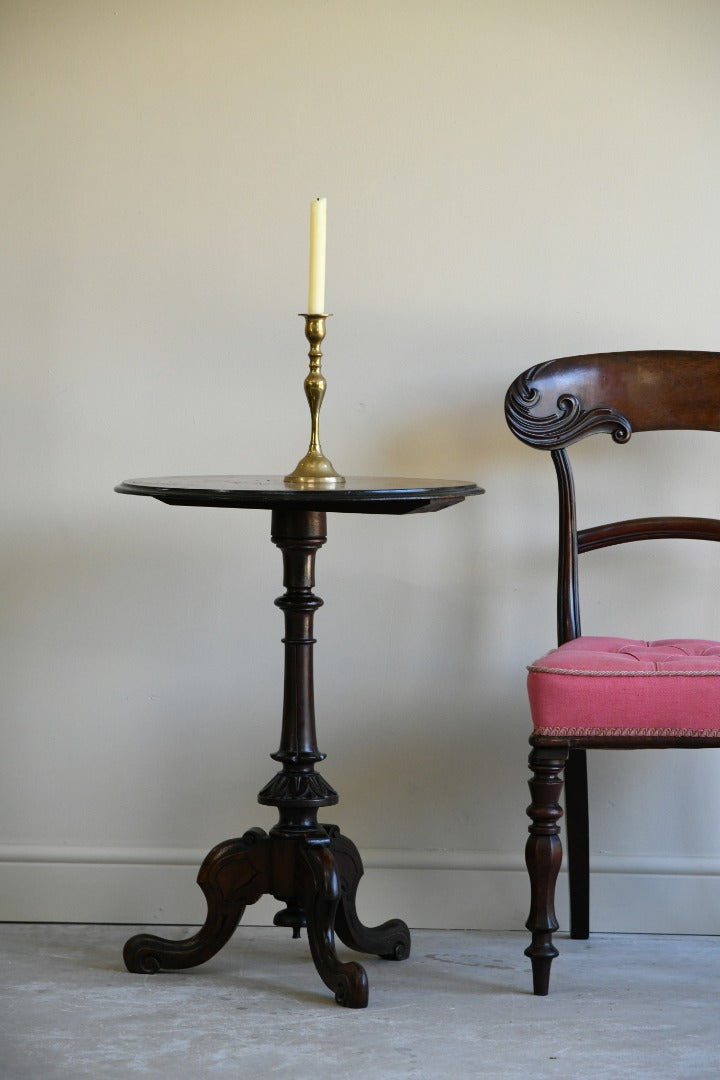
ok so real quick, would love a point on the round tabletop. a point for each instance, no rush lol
(359, 494)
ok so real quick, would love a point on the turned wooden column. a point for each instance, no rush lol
(298, 791)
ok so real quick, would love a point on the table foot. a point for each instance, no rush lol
(390, 940)
(233, 875)
(321, 897)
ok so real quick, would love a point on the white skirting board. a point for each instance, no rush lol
(433, 889)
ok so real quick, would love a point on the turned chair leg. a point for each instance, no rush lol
(578, 843)
(543, 855)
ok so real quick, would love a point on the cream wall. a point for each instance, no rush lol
(507, 182)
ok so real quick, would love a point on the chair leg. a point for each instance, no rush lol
(543, 855)
(578, 843)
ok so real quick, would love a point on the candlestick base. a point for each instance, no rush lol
(314, 470)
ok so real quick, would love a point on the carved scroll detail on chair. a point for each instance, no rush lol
(568, 424)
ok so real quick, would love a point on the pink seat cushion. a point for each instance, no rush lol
(618, 686)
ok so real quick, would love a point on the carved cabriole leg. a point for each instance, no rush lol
(320, 889)
(543, 855)
(233, 875)
(391, 940)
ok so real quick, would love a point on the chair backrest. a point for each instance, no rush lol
(555, 404)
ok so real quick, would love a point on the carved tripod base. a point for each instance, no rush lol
(317, 878)
(311, 867)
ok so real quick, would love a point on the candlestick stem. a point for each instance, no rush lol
(314, 470)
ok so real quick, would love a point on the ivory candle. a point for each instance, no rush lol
(316, 286)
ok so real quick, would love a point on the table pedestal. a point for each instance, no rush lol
(312, 868)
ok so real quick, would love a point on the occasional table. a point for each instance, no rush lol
(310, 867)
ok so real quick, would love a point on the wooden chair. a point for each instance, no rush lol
(605, 691)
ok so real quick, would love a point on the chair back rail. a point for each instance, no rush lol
(559, 402)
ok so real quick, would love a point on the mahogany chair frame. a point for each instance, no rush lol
(549, 407)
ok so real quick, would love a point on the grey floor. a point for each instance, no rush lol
(460, 1007)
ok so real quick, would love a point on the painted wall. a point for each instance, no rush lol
(506, 182)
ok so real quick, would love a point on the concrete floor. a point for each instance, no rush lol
(620, 1006)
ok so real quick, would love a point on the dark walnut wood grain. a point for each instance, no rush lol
(310, 867)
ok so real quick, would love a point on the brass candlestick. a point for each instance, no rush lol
(314, 470)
